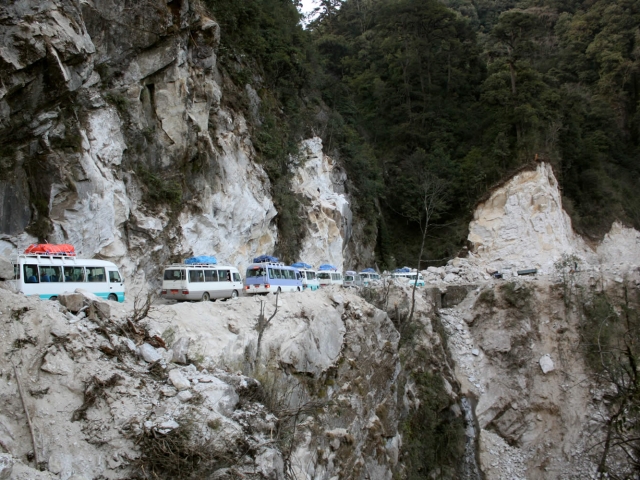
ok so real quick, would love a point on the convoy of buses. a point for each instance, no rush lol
(48, 270)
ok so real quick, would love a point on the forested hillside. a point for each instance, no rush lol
(412, 93)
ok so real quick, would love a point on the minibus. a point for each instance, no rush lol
(47, 276)
(309, 276)
(329, 275)
(274, 277)
(200, 282)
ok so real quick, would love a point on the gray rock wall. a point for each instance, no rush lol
(115, 136)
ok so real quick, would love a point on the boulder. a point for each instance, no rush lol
(6, 269)
(72, 301)
(180, 350)
(185, 396)
(6, 466)
(57, 363)
(218, 396)
(99, 309)
(179, 380)
(450, 277)
(148, 353)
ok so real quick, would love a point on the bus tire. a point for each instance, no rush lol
(234, 294)
(113, 297)
(54, 297)
(279, 290)
(205, 297)
(298, 288)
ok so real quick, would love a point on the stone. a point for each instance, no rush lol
(180, 350)
(99, 310)
(450, 278)
(168, 391)
(72, 301)
(496, 341)
(269, 464)
(131, 346)
(185, 396)
(218, 396)
(148, 353)
(6, 466)
(179, 380)
(475, 352)
(6, 269)
(166, 427)
(546, 364)
(57, 363)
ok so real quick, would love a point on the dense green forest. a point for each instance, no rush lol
(408, 92)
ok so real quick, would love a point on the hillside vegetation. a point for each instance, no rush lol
(402, 90)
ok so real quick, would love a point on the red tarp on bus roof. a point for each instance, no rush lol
(50, 249)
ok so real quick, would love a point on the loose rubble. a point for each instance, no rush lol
(103, 389)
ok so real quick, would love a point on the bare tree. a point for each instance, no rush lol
(262, 325)
(432, 194)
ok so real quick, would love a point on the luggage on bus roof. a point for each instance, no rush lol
(50, 249)
(265, 259)
(402, 270)
(302, 265)
(202, 259)
(327, 266)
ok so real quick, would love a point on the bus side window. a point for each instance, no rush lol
(210, 276)
(95, 274)
(73, 274)
(196, 276)
(271, 273)
(236, 277)
(31, 274)
(224, 276)
(16, 272)
(50, 274)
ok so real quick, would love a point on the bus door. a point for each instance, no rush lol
(225, 286)
(116, 286)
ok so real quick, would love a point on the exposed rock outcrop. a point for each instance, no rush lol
(523, 225)
(321, 183)
(117, 141)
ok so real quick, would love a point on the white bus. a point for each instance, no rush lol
(351, 279)
(410, 277)
(309, 276)
(48, 276)
(369, 276)
(201, 282)
(329, 275)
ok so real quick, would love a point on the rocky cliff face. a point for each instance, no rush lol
(116, 137)
(523, 225)
(322, 183)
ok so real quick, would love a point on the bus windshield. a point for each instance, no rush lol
(255, 272)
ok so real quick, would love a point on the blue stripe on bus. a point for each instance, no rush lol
(104, 296)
